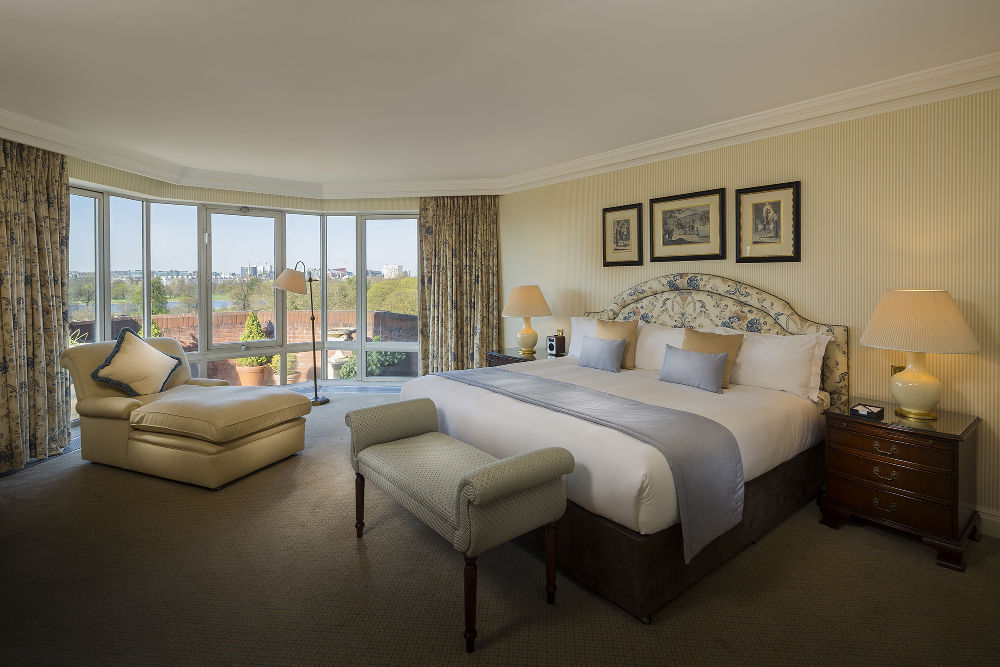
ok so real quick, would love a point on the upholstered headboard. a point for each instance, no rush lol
(705, 300)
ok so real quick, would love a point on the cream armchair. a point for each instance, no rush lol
(196, 430)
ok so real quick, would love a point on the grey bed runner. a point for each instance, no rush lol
(702, 453)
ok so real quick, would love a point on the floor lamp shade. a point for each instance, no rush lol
(291, 280)
(918, 322)
(526, 301)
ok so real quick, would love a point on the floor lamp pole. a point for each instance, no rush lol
(317, 399)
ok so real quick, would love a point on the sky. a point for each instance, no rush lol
(237, 239)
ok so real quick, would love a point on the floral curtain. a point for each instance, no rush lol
(34, 241)
(459, 282)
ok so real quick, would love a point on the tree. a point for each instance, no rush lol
(252, 330)
(186, 294)
(82, 290)
(154, 331)
(157, 296)
(250, 292)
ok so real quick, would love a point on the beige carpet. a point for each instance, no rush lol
(103, 566)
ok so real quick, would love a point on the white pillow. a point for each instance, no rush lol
(791, 363)
(651, 342)
(578, 328)
(136, 367)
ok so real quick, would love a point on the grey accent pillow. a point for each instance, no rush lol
(604, 355)
(695, 369)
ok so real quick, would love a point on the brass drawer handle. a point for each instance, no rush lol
(890, 478)
(892, 507)
(891, 452)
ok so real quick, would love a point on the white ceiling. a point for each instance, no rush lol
(357, 94)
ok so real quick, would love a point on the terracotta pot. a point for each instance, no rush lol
(253, 376)
(292, 378)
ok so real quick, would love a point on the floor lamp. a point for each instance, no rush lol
(293, 280)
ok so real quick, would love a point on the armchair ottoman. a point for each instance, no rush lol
(196, 430)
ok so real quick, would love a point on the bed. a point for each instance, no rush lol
(620, 535)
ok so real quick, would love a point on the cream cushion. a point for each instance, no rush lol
(616, 330)
(651, 343)
(712, 343)
(136, 367)
(220, 414)
(792, 363)
(580, 327)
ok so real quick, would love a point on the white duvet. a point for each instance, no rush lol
(617, 476)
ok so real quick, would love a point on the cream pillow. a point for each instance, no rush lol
(615, 330)
(652, 341)
(792, 363)
(713, 343)
(579, 327)
(136, 367)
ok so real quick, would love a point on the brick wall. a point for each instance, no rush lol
(228, 326)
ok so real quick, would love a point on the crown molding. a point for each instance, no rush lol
(940, 83)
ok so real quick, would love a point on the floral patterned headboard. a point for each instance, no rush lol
(705, 300)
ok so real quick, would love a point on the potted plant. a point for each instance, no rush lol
(253, 371)
(292, 374)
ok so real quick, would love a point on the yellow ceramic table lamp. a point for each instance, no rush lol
(917, 322)
(526, 301)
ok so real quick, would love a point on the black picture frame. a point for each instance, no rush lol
(624, 231)
(756, 216)
(663, 247)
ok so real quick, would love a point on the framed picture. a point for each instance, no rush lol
(767, 223)
(623, 235)
(691, 226)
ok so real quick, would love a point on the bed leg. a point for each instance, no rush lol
(550, 562)
(359, 503)
(470, 604)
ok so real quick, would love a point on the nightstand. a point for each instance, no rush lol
(510, 355)
(917, 476)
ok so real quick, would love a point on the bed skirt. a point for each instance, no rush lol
(641, 573)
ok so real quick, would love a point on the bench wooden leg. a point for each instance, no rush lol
(550, 562)
(359, 503)
(470, 604)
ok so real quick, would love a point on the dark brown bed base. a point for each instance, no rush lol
(641, 573)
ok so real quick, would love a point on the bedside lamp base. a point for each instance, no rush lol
(915, 390)
(527, 337)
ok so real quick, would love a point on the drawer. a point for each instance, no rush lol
(890, 507)
(893, 448)
(900, 477)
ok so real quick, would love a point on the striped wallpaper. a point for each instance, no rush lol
(907, 199)
(124, 181)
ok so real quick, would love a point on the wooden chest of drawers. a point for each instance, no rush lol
(915, 476)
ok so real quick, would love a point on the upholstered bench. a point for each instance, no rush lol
(470, 498)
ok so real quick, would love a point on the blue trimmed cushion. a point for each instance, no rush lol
(136, 367)
(604, 355)
(696, 369)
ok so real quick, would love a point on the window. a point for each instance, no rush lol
(173, 267)
(390, 297)
(127, 275)
(83, 216)
(204, 275)
(242, 278)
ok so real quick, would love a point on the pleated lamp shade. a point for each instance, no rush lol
(291, 280)
(526, 301)
(919, 321)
